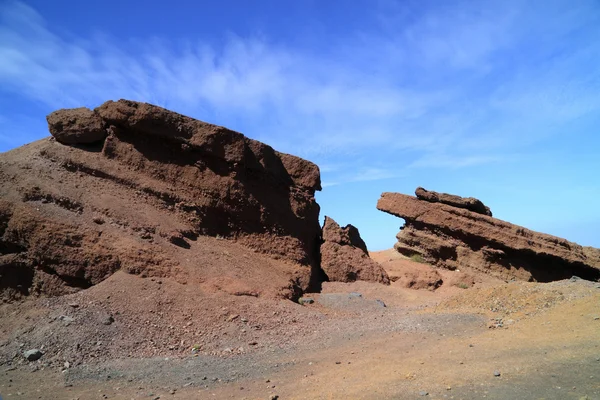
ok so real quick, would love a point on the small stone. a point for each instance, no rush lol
(306, 300)
(380, 302)
(497, 373)
(66, 319)
(338, 362)
(108, 320)
(423, 393)
(33, 354)
(74, 305)
(172, 391)
(273, 397)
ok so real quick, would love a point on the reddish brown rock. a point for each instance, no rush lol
(344, 255)
(76, 126)
(452, 237)
(468, 203)
(162, 195)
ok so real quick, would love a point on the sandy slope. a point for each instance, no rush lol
(341, 347)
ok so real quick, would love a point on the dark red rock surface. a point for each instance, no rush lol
(344, 255)
(137, 187)
(452, 237)
(469, 203)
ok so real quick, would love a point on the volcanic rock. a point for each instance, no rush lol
(135, 187)
(452, 237)
(469, 203)
(77, 125)
(344, 255)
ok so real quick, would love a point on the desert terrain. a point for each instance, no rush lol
(147, 255)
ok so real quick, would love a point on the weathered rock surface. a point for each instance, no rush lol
(469, 203)
(154, 193)
(452, 237)
(344, 255)
(76, 126)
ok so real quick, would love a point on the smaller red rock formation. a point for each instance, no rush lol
(344, 255)
(455, 237)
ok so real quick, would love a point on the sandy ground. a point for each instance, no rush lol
(492, 340)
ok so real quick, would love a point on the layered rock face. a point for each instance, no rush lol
(468, 203)
(129, 185)
(344, 255)
(455, 237)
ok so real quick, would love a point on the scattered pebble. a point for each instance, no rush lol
(108, 320)
(497, 373)
(306, 300)
(33, 354)
(423, 393)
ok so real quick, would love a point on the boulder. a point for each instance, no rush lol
(344, 255)
(468, 203)
(76, 126)
(455, 237)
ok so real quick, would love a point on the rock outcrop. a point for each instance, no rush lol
(76, 126)
(454, 237)
(468, 203)
(136, 187)
(344, 255)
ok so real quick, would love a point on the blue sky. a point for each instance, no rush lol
(494, 99)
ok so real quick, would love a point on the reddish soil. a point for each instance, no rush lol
(175, 341)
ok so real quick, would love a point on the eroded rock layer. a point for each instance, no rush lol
(129, 185)
(469, 203)
(344, 255)
(453, 237)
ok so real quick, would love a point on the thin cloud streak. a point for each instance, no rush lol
(436, 88)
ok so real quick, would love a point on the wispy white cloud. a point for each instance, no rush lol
(447, 161)
(442, 85)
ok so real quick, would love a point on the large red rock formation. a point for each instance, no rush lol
(137, 187)
(453, 237)
(344, 255)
